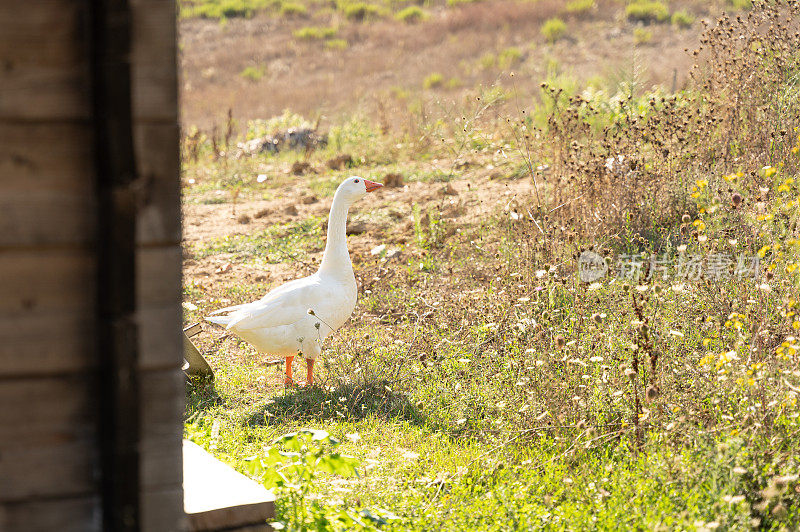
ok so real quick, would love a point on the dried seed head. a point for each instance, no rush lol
(630, 373)
(598, 319)
(560, 341)
(686, 218)
(736, 199)
(311, 312)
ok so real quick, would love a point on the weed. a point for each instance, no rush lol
(433, 81)
(682, 19)
(253, 73)
(642, 35)
(553, 29)
(411, 14)
(336, 44)
(579, 6)
(314, 33)
(647, 11)
(293, 9)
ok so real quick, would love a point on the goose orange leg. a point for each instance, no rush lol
(310, 370)
(289, 381)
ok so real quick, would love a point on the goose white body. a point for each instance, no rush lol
(295, 318)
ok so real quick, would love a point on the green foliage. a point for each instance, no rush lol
(647, 11)
(642, 35)
(454, 3)
(253, 73)
(682, 19)
(336, 44)
(509, 57)
(553, 29)
(291, 9)
(579, 6)
(411, 14)
(433, 81)
(360, 11)
(222, 9)
(315, 33)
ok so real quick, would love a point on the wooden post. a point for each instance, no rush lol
(118, 341)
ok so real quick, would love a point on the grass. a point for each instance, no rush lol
(480, 384)
(647, 11)
(553, 29)
(682, 19)
(293, 9)
(577, 7)
(253, 73)
(642, 35)
(433, 80)
(411, 14)
(314, 33)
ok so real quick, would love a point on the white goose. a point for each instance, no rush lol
(297, 316)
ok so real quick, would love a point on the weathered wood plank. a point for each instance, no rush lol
(36, 218)
(47, 343)
(159, 168)
(159, 275)
(54, 158)
(53, 343)
(160, 337)
(155, 81)
(163, 510)
(74, 514)
(45, 61)
(47, 425)
(46, 280)
(163, 403)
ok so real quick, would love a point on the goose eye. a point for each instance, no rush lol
(356, 181)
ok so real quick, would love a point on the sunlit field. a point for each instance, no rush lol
(577, 290)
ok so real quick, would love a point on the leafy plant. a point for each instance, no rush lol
(291, 9)
(642, 35)
(253, 73)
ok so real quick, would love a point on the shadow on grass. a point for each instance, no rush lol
(346, 402)
(201, 395)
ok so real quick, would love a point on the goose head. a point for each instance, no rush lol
(355, 188)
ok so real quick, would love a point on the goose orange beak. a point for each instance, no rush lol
(372, 185)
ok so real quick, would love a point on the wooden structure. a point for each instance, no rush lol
(91, 388)
(219, 498)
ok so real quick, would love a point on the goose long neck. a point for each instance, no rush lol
(336, 258)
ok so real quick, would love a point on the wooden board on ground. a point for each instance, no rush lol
(217, 497)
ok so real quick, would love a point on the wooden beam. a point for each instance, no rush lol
(117, 211)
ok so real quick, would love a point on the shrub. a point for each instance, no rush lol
(579, 6)
(682, 19)
(290, 9)
(222, 9)
(411, 14)
(312, 33)
(361, 11)
(253, 73)
(433, 80)
(642, 36)
(647, 12)
(336, 44)
(508, 57)
(553, 29)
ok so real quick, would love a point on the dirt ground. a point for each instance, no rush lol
(388, 58)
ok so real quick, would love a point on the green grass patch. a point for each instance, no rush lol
(553, 29)
(577, 7)
(411, 14)
(433, 81)
(647, 11)
(314, 33)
